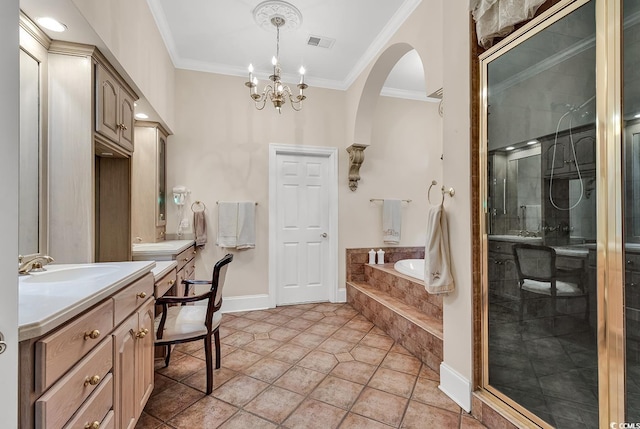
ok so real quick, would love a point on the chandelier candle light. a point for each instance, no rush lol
(276, 92)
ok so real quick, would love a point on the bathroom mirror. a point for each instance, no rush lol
(29, 181)
(32, 195)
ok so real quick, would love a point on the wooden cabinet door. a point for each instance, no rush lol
(124, 370)
(145, 355)
(126, 121)
(107, 96)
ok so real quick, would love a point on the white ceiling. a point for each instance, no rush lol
(221, 36)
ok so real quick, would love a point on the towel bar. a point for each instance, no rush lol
(218, 202)
(450, 191)
(380, 199)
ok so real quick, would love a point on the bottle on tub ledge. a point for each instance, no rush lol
(380, 257)
(372, 257)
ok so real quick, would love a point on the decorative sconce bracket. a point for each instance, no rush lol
(356, 157)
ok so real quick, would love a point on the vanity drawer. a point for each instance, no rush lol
(501, 247)
(190, 269)
(185, 256)
(163, 285)
(127, 300)
(97, 408)
(62, 400)
(57, 352)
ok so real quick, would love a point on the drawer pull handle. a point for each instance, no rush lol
(142, 333)
(142, 295)
(171, 282)
(92, 380)
(93, 334)
(94, 425)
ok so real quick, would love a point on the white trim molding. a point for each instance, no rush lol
(232, 304)
(329, 152)
(455, 386)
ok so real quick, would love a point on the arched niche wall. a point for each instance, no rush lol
(367, 106)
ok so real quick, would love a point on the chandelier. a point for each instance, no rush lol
(274, 12)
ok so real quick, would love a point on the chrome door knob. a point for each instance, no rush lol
(324, 235)
(3, 345)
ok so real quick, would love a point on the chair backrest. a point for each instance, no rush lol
(535, 262)
(217, 284)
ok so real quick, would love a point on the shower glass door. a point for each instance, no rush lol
(540, 256)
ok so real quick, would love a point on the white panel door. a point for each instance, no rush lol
(302, 227)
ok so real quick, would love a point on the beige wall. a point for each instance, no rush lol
(458, 309)
(129, 31)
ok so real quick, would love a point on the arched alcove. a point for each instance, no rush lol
(367, 106)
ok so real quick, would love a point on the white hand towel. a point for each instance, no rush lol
(437, 266)
(227, 224)
(391, 221)
(246, 238)
(532, 217)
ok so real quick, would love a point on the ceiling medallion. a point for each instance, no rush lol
(264, 13)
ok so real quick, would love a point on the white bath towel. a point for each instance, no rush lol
(532, 217)
(391, 221)
(437, 264)
(227, 224)
(246, 238)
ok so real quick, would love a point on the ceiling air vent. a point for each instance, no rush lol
(321, 42)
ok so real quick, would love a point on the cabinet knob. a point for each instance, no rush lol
(92, 380)
(123, 127)
(142, 333)
(171, 282)
(93, 334)
(94, 425)
(142, 295)
(186, 259)
(195, 252)
(629, 262)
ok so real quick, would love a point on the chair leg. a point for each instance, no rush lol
(521, 305)
(216, 337)
(168, 356)
(208, 354)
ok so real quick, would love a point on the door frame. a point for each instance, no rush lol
(276, 149)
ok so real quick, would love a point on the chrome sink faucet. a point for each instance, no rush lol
(34, 264)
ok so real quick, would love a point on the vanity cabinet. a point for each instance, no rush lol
(564, 163)
(89, 173)
(148, 185)
(503, 275)
(114, 109)
(96, 368)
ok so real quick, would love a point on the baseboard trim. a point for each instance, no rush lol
(233, 304)
(341, 295)
(455, 386)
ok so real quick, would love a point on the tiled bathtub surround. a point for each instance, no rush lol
(396, 303)
(357, 258)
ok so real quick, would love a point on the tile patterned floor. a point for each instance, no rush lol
(303, 366)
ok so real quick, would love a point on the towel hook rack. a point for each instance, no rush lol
(198, 204)
(450, 191)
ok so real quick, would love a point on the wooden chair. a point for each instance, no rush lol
(538, 273)
(183, 323)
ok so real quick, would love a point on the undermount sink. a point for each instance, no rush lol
(70, 273)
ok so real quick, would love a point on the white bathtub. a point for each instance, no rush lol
(411, 267)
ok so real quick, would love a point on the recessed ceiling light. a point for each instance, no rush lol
(532, 142)
(509, 148)
(637, 115)
(52, 24)
(142, 116)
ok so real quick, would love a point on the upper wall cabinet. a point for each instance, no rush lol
(114, 109)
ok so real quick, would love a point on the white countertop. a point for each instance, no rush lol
(516, 238)
(45, 305)
(160, 251)
(162, 268)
